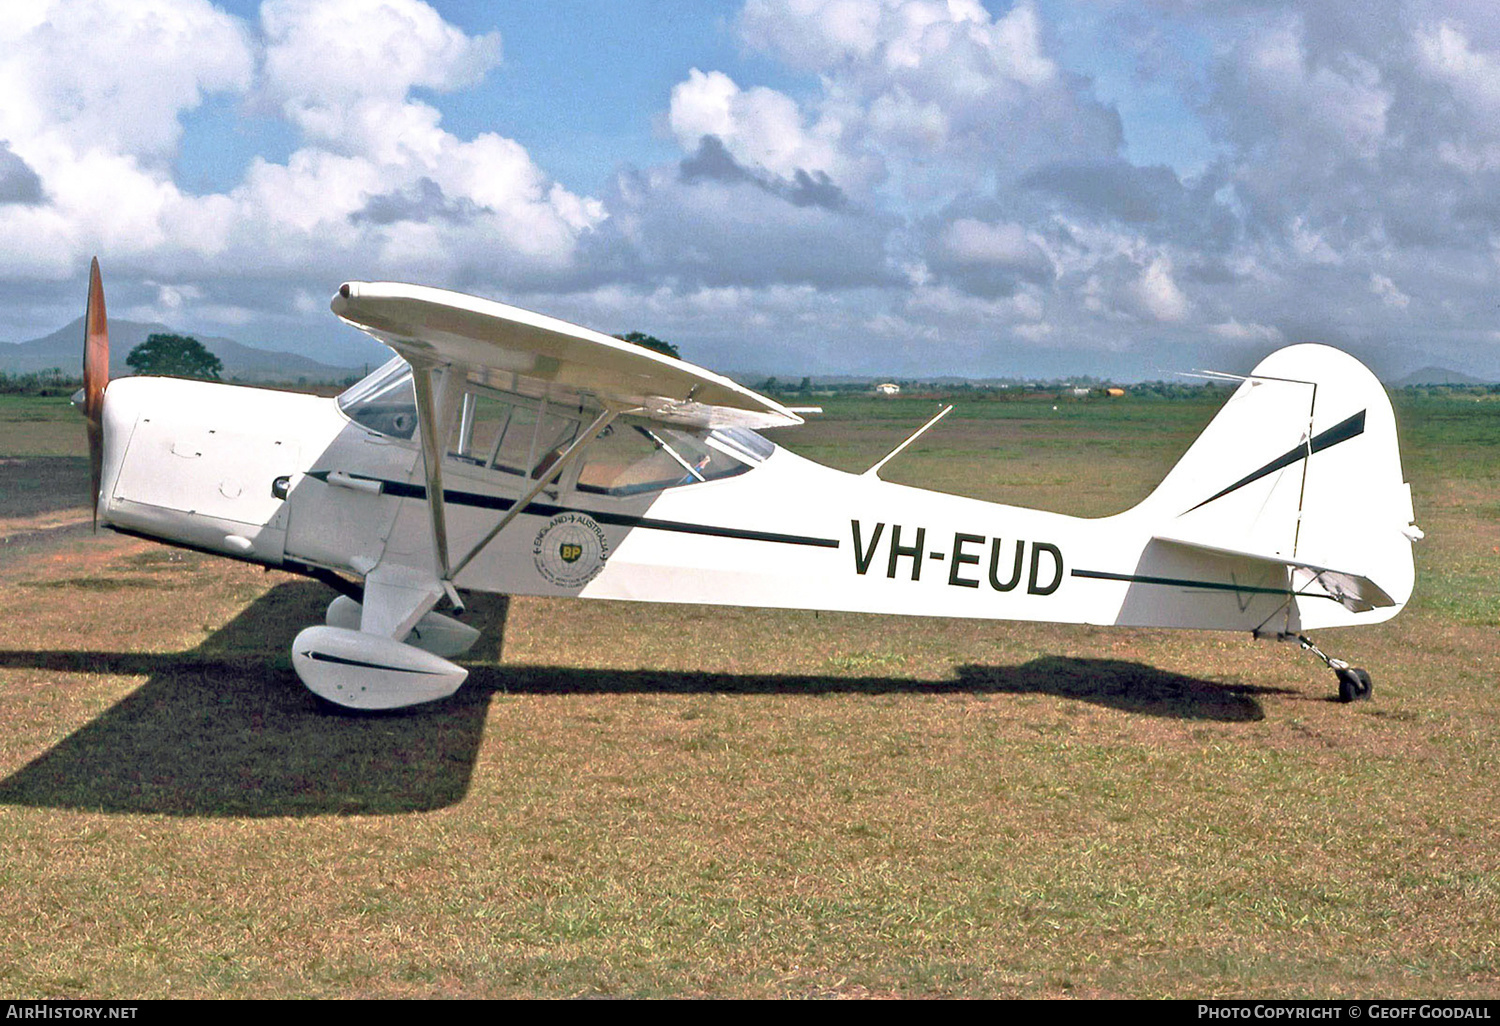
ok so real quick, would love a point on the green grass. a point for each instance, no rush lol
(791, 804)
(40, 426)
(1021, 452)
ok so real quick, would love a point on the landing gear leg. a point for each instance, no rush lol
(1354, 683)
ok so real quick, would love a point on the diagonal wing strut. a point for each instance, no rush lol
(432, 437)
(570, 454)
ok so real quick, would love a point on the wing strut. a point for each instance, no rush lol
(570, 454)
(432, 462)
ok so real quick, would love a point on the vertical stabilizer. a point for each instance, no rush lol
(1301, 465)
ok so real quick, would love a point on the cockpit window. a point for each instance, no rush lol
(384, 401)
(633, 458)
(744, 442)
(512, 433)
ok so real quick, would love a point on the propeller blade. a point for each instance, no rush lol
(95, 378)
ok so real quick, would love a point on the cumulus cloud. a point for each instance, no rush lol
(988, 259)
(1389, 294)
(969, 241)
(113, 75)
(712, 162)
(1135, 290)
(94, 94)
(761, 128)
(1310, 110)
(1446, 55)
(688, 227)
(423, 201)
(955, 47)
(1234, 331)
(343, 70)
(378, 171)
(18, 182)
(1157, 293)
(100, 92)
(917, 96)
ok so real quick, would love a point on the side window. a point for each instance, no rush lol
(631, 459)
(622, 461)
(481, 424)
(510, 433)
(534, 439)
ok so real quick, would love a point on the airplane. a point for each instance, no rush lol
(501, 450)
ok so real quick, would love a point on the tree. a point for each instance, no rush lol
(174, 356)
(650, 342)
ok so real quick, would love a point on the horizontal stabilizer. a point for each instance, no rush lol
(1353, 591)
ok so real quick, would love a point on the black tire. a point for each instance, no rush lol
(1366, 685)
(1349, 685)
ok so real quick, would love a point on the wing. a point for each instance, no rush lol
(536, 354)
(520, 351)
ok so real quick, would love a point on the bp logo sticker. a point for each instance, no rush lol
(571, 550)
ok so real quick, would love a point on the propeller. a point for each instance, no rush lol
(95, 377)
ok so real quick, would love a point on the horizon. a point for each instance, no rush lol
(750, 377)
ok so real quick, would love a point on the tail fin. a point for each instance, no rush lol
(1301, 467)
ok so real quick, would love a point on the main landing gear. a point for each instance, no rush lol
(1354, 683)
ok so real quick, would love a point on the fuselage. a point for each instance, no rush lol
(288, 479)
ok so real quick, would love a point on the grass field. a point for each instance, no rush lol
(648, 800)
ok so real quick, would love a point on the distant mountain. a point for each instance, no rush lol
(64, 348)
(1437, 376)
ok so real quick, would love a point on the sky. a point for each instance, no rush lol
(882, 187)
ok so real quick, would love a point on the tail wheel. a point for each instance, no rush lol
(1366, 684)
(1354, 684)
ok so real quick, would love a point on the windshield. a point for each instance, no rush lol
(385, 401)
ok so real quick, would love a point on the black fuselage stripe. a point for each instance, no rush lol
(1179, 582)
(1340, 432)
(542, 509)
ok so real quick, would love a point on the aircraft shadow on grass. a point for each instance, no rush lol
(226, 730)
(31, 485)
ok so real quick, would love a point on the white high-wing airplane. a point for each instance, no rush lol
(505, 451)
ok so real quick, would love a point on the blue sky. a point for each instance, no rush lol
(785, 186)
(580, 85)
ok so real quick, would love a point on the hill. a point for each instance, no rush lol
(64, 348)
(1437, 376)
